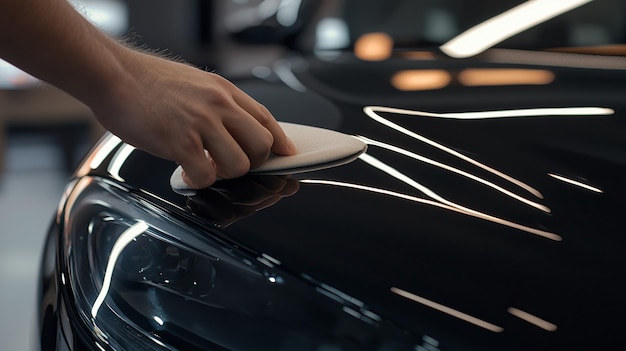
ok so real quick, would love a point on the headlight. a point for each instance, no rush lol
(142, 279)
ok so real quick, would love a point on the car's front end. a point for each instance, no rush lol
(486, 214)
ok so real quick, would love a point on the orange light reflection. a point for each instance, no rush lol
(373, 47)
(412, 80)
(493, 77)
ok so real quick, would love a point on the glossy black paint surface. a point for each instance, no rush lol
(386, 236)
(429, 230)
(365, 243)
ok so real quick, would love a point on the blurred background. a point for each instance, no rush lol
(44, 132)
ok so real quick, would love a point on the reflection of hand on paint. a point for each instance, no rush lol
(228, 201)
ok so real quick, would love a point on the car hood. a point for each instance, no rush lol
(498, 228)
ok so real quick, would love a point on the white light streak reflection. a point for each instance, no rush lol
(352, 312)
(448, 168)
(516, 20)
(270, 258)
(575, 182)
(543, 324)
(118, 161)
(265, 262)
(447, 310)
(102, 150)
(371, 111)
(476, 214)
(159, 320)
(372, 161)
(120, 244)
(517, 113)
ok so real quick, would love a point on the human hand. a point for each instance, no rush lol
(176, 111)
(167, 108)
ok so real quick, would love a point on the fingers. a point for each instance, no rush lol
(253, 138)
(243, 139)
(215, 155)
(250, 133)
(231, 161)
(228, 154)
(281, 145)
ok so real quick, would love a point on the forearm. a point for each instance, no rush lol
(50, 40)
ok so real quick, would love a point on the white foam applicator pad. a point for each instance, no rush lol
(318, 148)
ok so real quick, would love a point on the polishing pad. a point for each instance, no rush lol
(318, 148)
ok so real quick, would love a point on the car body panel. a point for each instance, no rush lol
(482, 216)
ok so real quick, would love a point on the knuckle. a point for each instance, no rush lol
(217, 96)
(190, 143)
(265, 116)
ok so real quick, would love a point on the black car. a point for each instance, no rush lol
(488, 212)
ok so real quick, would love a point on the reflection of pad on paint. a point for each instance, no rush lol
(318, 148)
